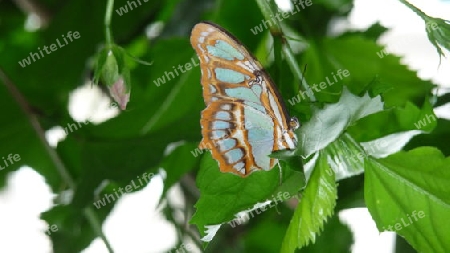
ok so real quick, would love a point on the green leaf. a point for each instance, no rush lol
(293, 180)
(174, 90)
(359, 56)
(438, 30)
(377, 87)
(374, 32)
(223, 195)
(345, 156)
(387, 132)
(288, 159)
(336, 237)
(317, 203)
(102, 159)
(394, 121)
(436, 138)
(330, 122)
(408, 193)
(95, 153)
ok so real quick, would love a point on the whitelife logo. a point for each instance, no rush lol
(259, 208)
(423, 122)
(53, 47)
(399, 226)
(11, 158)
(322, 85)
(129, 188)
(130, 4)
(280, 16)
(170, 75)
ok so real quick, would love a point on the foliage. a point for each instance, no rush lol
(371, 121)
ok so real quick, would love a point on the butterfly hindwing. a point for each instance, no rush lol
(240, 144)
(241, 101)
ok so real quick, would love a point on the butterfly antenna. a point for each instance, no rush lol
(300, 85)
(303, 74)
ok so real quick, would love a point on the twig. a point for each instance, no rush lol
(108, 14)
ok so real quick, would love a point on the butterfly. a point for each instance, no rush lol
(245, 119)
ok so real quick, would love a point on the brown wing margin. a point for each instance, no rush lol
(237, 131)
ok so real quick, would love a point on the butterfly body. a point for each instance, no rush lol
(245, 119)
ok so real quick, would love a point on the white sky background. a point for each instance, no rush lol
(134, 226)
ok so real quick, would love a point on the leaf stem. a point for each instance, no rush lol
(97, 227)
(277, 33)
(108, 14)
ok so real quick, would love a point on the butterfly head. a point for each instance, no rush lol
(289, 138)
(294, 124)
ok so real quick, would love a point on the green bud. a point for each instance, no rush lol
(112, 70)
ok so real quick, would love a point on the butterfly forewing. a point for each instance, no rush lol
(245, 119)
(223, 61)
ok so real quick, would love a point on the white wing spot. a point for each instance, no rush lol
(212, 88)
(226, 107)
(239, 166)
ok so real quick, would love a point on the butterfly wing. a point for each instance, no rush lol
(240, 144)
(245, 119)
